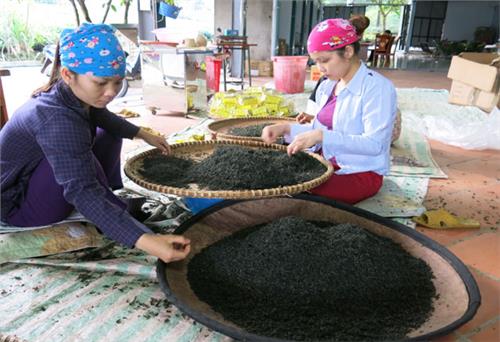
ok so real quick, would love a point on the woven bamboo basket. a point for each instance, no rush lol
(220, 129)
(200, 150)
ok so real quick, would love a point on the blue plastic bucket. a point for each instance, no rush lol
(230, 32)
(169, 10)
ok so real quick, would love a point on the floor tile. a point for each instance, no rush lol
(481, 252)
(448, 237)
(446, 154)
(454, 336)
(490, 302)
(471, 174)
(481, 204)
(490, 333)
(407, 79)
(488, 166)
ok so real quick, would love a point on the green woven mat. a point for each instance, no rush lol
(411, 156)
(58, 238)
(400, 198)
(106, 295)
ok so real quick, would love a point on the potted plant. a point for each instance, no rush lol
(168, 9)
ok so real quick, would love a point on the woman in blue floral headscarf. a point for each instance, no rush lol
(61, 150)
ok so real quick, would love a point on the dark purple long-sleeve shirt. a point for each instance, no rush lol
(55, 126)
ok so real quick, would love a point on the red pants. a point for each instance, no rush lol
(351, 188)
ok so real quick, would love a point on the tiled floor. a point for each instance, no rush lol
(472, 190)
(417, 61)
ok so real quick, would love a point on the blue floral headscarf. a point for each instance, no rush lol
(92, 49)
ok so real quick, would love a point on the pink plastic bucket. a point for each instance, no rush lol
(290, 73)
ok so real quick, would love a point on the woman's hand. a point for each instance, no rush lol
(166, 247)
(271, 133)
(305, 140)
(304, 118)
(154, 140)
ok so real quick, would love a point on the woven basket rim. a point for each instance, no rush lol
(215, 126)
(213, 116)
(226, 194)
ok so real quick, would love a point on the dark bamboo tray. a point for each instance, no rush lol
(220, 129)
(201, 149)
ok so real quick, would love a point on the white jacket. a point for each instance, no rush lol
(362, 123)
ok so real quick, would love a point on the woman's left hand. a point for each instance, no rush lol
(305, 140)
(154, 140)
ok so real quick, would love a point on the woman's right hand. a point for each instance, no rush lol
(271, 133)
(166, 247)
(304, 118)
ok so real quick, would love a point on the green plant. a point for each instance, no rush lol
(450, 48)
(19, 41)
(39, 41)
(170, 2)
(15, 37)
(80, 8)
(474, 46)
(484, 34)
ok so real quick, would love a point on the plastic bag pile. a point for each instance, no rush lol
(251, 102)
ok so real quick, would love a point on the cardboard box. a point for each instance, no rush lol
(259, 68)
(476, 80)
(254, 67)
(266, 68)
(315, 73)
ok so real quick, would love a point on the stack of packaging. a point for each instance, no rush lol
(251, 102)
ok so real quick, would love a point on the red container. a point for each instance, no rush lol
(213, 67)
(290, 73)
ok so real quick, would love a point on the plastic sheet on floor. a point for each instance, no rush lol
(428, 111)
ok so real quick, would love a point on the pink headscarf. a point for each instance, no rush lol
(331, 34)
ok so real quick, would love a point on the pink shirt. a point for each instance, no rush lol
(325, 115)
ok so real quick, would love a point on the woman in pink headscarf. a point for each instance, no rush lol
(357, 108)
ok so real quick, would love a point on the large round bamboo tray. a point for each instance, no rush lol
(220, 129)
(199, 150)
(458, 299)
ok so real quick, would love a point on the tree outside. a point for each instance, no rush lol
(383, 14)
(379, 23)
(386, 8)
(26, 26)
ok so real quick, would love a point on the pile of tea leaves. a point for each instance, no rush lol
(249, 131)
(314, 281)
(233, 168)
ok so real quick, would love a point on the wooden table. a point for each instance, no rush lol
(3, 108)
(226, 43)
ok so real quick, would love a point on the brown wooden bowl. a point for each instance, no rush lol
(458, 295)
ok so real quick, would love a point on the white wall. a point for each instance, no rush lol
(258, 24)
(462, 18)
(223, 14)
(259, 27)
